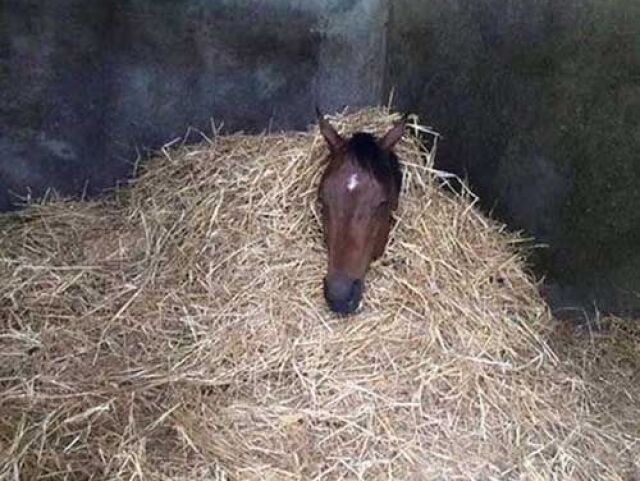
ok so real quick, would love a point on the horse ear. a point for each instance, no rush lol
(392, 137)
(333, 138)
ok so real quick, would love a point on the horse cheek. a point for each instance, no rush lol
(325, 230)
(381, 239)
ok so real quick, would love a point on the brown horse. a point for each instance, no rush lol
(359, 189)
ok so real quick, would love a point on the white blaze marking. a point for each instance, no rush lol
(353, 182)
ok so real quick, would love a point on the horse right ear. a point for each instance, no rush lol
(392, 137)
(333, 138)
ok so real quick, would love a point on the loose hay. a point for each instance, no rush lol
(179, 330)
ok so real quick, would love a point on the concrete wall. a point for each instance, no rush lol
(86, 85)
(539, 105)
(52, 95)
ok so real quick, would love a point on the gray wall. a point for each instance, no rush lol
(538, 101)
(87, 85)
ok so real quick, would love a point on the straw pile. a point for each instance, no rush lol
(178, 331)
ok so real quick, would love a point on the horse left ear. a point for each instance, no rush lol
(392, 137)
(331, 136)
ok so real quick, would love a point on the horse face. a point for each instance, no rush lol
(356, 202)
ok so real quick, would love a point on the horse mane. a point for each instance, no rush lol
(383, 165)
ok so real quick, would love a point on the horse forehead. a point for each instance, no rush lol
(351, 178)
(353, 182)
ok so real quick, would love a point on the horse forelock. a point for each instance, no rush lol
(383, 165)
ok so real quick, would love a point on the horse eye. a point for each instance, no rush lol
(322, 205)
(382, 207)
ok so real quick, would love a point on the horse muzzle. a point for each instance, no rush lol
(342, 293)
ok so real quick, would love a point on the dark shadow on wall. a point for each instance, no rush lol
(537, 104)
(171, 69)
(53, 89)
(591, 80)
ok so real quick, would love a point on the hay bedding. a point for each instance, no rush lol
(179, 331)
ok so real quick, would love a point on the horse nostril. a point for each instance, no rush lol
(356, 295)
(356, 289)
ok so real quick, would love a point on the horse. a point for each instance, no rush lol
(358, 191)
